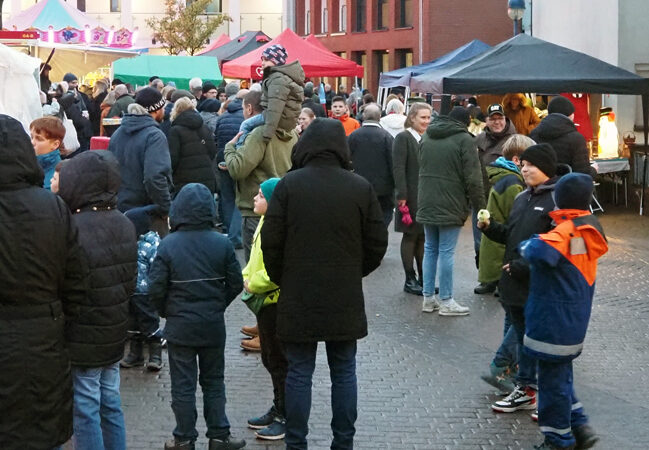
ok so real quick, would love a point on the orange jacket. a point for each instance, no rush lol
(349, 124)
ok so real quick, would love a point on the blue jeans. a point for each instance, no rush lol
(526, 375)
(341, 356)
(559, 410)
(247, 126)
(184, 372)
(507, 353)
(440, 245)
(98, 417)
(231, 215)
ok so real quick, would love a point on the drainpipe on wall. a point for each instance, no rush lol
(421, 31)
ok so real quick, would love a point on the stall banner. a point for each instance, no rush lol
(122, 38)
(98, 36)
(68, 35)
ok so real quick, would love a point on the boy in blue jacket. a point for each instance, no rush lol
(194, 277)
(563, 269)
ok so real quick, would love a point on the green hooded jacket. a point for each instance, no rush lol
(507, 184)
(282, 94)
(450, 181)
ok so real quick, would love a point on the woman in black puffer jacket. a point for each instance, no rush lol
(96, 329)
(191, 147)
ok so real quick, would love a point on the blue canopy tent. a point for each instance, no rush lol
(401, 77)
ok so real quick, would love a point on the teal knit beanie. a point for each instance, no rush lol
(267, 188)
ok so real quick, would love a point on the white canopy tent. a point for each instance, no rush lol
(19, 97)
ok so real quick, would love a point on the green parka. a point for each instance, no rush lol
(507, 184)
(282, 95)
(450, 180)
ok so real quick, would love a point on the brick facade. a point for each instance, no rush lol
(389, 38)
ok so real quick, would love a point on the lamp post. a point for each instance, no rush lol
(515, 11)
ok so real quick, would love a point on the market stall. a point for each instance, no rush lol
(61, 23)
(315, 61)
(179, 69)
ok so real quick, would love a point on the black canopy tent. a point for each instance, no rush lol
(240, 45)
(528, 64)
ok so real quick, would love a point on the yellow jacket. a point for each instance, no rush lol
(255, 272)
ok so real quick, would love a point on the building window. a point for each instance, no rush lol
(342, 16)
(382, 14)
(404, 13)
(115, 5)
(325, 18)
(307, 16)
(214, 7)
(360, 12)
(403, 57)
(81, 5)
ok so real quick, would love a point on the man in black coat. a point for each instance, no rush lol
(43, 273)
(559, 130)
(227, 127)
(371, 150)
(323, 233)
(96, 333)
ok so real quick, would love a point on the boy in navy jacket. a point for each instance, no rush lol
(193, 279)
(563, 268)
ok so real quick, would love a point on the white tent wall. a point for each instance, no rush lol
(19, 96)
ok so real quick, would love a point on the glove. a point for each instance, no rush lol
(405, 215)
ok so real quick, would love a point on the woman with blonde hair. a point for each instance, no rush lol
(191, 146)
(405, 161)
(304, 120)
(393, 121)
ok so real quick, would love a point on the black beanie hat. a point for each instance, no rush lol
(208, 86)
(150, 98)
(461, 114)
(561, 105)
(69, 77)
(542, 156)
(574, 191)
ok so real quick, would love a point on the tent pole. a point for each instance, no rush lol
(446, 104)
(645, 117)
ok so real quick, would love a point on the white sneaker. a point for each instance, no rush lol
(451, 308)
(430, 304)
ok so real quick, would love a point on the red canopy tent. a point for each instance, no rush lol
(316, 61)
(221, 40)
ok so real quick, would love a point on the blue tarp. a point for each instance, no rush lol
(401, 77)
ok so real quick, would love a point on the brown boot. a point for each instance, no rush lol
(252, 345)
(250, 331)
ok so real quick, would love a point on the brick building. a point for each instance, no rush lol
(384, 35)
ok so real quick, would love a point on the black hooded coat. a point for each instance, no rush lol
(195, 274)
(97, 325)
(42, 272)
(323, 232)
(192, 150)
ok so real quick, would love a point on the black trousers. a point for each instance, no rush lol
(272, 354)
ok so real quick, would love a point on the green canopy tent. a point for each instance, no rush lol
(179, 69)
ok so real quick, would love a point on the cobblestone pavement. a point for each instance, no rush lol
(418, 374)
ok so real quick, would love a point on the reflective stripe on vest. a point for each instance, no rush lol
(551, 349)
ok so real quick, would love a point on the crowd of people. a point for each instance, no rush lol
(101, 244)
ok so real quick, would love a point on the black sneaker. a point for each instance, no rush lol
(585, 436)
(520, 398)
(258, 423)
(229, 443)
(485, 288)
(273, 432)
(173, 444)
